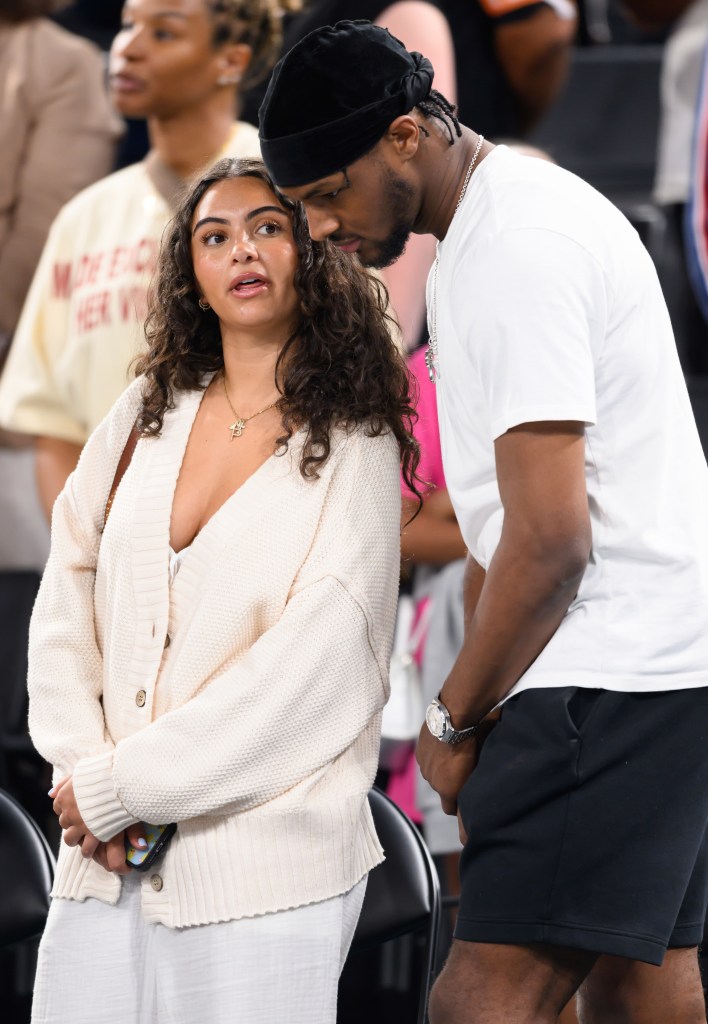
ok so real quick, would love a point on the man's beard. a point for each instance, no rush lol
(397, 198)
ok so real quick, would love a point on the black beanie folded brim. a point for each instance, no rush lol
(332, 98)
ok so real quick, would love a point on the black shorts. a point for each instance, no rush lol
(586, 818)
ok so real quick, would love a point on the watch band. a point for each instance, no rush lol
(450, 735)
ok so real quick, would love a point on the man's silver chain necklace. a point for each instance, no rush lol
(431, 356)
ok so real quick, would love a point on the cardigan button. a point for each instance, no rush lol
(168, 641)
(140, 698)
(156, 882)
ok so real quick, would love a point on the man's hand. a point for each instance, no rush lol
(447, 768)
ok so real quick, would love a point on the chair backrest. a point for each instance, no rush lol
(18, 590)
(403, 893)
(604, 125)
(26, 874)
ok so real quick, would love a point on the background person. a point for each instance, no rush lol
(579, 483)
(681, 66)
(55, 114)
(181, 68)
(58, 134)
(217, 657)
(512, 59)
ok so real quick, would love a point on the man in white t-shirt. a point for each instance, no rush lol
(580, 486)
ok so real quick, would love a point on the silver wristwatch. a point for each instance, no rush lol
(437, 718)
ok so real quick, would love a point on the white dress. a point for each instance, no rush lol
(102, 962)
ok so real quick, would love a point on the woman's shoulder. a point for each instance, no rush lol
(365, 444)
(122, 415)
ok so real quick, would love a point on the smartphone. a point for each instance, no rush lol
(158, 836)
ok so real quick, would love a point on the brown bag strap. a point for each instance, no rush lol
(123, 464)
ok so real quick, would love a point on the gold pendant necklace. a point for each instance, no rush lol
(239, 424)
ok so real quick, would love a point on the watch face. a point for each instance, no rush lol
(435, 720)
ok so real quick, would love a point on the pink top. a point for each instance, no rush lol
(402, 785)
(426, 430)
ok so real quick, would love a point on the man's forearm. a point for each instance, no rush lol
(511, 612)
(55, 460)
(535, 54)
(428, 538)
(652, 13)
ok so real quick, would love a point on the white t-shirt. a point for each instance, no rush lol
(549, 308)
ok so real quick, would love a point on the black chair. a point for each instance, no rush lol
(26, 874)
(403, 893)
(18, 590)
(604, 125)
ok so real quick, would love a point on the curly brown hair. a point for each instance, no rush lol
(340, 367)
(257, 23)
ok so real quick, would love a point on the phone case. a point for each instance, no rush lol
(158, 836)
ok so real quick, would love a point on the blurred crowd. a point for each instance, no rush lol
(109, 109)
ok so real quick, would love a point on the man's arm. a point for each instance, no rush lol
(652, 13)
(535, 55)
(513, 611)
(54, 461)
(432, 537)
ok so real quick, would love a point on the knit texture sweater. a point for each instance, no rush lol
(244, 701)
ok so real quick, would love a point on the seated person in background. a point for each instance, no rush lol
(181, 68)
(216, 657)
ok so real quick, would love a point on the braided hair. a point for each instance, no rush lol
(435, 105)
(258, 23)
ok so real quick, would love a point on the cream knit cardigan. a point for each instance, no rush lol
(263, 670)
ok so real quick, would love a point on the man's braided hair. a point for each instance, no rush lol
(436, 106)
(258, 23)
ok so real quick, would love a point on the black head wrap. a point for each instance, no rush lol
(332, 97)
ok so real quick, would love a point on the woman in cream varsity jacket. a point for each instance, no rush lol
(218, 656)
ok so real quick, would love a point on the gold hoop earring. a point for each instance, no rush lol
(203, 305)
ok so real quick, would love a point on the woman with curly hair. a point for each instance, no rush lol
(217, 656)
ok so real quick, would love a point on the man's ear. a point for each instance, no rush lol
(404, 135)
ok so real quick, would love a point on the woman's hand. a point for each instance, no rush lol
(111, 854)
(76, 831)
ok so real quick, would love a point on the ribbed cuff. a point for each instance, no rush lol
(95, 793)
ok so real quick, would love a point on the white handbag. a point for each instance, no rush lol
(403, 714)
